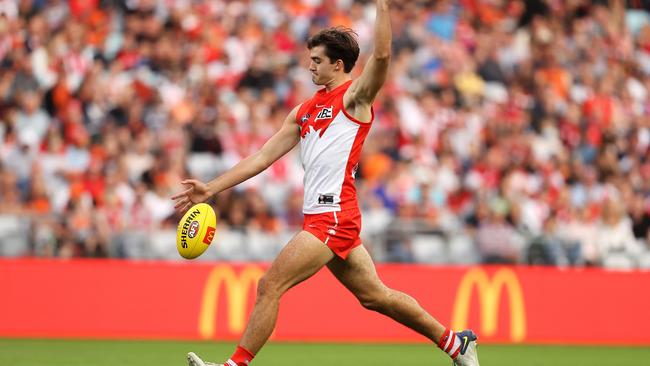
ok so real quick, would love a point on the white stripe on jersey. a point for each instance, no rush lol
(325, 160)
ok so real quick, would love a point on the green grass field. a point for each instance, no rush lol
(20, 352)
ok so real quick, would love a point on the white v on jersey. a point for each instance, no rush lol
(330, 147)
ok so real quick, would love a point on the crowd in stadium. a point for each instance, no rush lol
(508, 131)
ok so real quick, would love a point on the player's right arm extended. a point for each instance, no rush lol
(277, 146)
(365, 88)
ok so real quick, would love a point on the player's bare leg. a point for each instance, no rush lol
(358, 274)
(301, 258)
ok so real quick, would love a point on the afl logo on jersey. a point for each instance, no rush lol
(325, 113)
(304, 118)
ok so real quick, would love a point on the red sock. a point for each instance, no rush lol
(241, 357)
(449, 343)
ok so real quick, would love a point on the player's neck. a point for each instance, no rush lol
(337, 81)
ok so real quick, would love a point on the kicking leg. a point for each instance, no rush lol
(301, 258)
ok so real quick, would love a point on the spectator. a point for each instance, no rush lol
(516, 120)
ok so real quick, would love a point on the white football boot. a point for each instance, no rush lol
(467, 355)
(194, 360)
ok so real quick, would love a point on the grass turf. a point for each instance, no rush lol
(39, 352)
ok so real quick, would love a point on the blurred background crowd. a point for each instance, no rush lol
(508, 131)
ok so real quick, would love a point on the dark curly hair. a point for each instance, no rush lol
(340, 44)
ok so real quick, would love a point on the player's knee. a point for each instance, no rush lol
(265, 288)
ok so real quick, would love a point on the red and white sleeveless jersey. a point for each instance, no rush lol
(330, 147)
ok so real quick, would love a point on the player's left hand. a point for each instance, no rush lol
(196, 192)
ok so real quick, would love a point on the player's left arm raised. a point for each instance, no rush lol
(365, 88)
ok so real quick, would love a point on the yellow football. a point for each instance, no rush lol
(196, 231)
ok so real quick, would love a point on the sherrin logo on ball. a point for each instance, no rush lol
(196, 230)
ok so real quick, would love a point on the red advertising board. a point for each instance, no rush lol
(126, 299)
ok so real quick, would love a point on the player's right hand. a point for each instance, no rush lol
(196, 192)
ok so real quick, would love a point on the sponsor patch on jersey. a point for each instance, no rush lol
(325, 113)
(325, 199)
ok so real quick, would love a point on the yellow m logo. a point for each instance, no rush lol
(237, 288)
(489, 293)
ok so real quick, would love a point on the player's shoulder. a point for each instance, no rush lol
(294, 111)
(351, 93)
(353, 103)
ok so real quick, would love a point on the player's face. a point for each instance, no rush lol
(321, 67)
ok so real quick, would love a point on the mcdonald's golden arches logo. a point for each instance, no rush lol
(237, 289)
(489, 293)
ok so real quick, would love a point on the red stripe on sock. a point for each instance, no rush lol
(443, 339)
(451, 344)
(453, 357)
